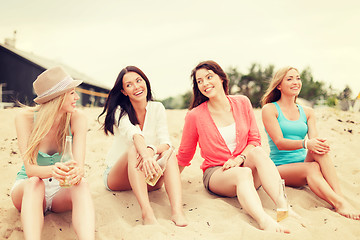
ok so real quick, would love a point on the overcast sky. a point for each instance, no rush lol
(166, 39)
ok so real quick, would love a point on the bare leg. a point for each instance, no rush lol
(173, 189)
(239, 182)
(139, 187)
(266, 173)
(77, 198)
(327, 169)
(298, 174)
(29, 198)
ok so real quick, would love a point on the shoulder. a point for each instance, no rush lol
(78, 116)
(198, 110)
(156, 105)
(240, 101)
(308, 111)
(25, 115)
(239, 98)
(268, 108)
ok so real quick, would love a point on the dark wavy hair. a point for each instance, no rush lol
(117, 98)
(198, 98)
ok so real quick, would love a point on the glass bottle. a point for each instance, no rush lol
(282, 210)
(66, 157)
(162, 163)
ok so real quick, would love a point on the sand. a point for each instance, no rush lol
(210, 217)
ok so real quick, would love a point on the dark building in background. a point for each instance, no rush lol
(19, 69)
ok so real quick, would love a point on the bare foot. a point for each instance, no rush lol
(149, 219)
(179, 220)
(269, 224)
(345, 209)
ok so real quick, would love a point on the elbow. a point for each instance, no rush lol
(279, 145)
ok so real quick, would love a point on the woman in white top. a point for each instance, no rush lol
(141, 137)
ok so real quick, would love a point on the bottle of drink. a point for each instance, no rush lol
(282, 208)
(162, 163)
(66, 157)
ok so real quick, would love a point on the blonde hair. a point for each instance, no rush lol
(45, 118)
(273, 94)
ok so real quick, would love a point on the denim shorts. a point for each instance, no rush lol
(207, 175)
(105, 177)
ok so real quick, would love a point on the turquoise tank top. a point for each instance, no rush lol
(43, 159)
(294, 130)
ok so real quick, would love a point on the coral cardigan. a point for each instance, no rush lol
(200, 128)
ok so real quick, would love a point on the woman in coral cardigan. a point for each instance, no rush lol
(225, 128)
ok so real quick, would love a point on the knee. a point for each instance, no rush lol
(83, 183)
(82, 186)
(313, 169)
(243, 173)
(320, 158)
(34, 184)
(256, 154)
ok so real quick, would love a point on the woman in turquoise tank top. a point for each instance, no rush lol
(41, 140)
(300, 160)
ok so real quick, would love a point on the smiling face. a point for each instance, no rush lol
(291, 83)
(134, 86)
(69, 104)
(209, 83)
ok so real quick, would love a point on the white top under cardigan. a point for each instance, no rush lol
(229, 136)
(155, 131)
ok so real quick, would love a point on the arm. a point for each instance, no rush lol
(147, 162)
(78, 123)
(24, 124)
(188, 142)
(315, 143)
(254, 134)
(162, 130)
(271, 124)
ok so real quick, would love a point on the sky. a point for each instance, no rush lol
(167, 39)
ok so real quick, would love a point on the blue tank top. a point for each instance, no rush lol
(43, 159)
(294, 130)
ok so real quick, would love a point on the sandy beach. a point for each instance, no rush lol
(118, 215)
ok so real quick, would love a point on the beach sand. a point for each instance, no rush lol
(210, 217)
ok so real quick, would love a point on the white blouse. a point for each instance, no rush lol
(155, 131)
(229, 136)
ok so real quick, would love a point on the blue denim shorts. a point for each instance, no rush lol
(105, 177)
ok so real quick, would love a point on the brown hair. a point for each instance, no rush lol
(198, 98)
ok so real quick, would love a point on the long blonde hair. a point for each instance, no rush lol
(273, 94)
(45, 118)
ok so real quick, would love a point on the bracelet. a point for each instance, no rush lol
(242, 156)
(304, 143)
(152, 147)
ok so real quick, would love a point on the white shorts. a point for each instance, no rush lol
(51, 188)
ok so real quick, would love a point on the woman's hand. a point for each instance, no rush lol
(318, 145)
(150, 167)
(76, 172)
(60, 171)
(233, 162)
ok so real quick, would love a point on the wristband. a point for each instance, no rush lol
(306, 146)
(152, 147)
(303, 143)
